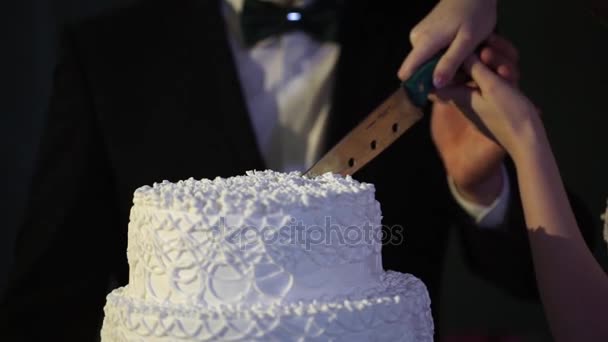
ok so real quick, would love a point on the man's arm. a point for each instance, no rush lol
(486, 216)
(60, 277)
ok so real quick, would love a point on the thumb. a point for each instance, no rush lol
(469, 102)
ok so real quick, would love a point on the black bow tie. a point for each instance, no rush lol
(263, 19)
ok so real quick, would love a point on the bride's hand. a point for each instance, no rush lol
(496, 106)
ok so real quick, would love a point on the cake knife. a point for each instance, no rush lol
(382, 127)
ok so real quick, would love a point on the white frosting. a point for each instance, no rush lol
(269, 240)
(254, 238)
(257, 192)
(396, 310)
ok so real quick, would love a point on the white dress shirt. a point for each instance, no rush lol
(287, 82)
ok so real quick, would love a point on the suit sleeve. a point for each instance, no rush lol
(60, 277)
(502, 254)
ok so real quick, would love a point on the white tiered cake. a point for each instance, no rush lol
(265, 256)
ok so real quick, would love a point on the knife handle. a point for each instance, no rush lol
(420, 84)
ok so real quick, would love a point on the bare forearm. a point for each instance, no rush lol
(574, 289)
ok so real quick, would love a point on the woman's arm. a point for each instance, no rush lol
(573, 287)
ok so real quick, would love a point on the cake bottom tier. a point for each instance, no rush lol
(398, 310)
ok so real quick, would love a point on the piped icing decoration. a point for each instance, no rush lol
(261, 191)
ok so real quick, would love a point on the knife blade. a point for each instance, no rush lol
(381, 128)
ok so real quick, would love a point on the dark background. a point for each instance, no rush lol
(565, 71)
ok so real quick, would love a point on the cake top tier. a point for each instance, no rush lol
(266, 191)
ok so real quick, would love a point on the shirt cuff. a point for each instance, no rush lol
(486, 216)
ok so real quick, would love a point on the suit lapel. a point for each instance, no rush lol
(216, 67)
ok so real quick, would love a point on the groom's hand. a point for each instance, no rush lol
(471, 159)
(456, 25)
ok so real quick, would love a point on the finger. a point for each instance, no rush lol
(500, 63)
(486, 79)
(509, 73)
(504, 46)
(462, 46)
(424, 47)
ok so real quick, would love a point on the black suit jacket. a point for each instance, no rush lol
(150, 92)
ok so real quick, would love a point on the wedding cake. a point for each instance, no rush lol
(265, 256)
